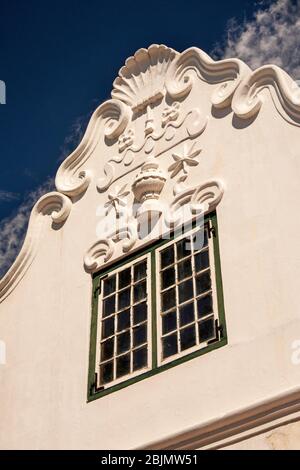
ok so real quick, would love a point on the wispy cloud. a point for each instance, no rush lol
(8, 196)
(13, 228)
(270, 37)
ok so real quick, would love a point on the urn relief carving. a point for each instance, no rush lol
(146, 188)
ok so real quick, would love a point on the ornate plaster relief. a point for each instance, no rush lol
(284, 92)
(198, 199)
(148, 121)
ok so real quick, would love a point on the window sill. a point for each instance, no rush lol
(110, 389)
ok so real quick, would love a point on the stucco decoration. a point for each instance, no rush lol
(159, 74)
(102, 250)
(159, 71)
(150, 75)
(112, 117)
(179, 128)
(184, 160)
(117, 200)
(202, 198)
(54, 205)
(195, 64)
(150, 117)
(146, 188)
(284, 91)
(141, 82)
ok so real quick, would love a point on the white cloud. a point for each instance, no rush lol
(7, 196)
(272, 36)
(13, 228)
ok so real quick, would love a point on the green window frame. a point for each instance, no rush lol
(157, 362)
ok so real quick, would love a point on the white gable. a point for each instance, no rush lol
(181, 131)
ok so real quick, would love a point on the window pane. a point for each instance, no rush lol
(123, 365)
(124, 320)
(107, 349)
(201, 260)
(108, 327)
(124, 278)
(167, 257)
(139, 358)
(109, 306)
(187, 337)
(207, 329)
(204, 305)
(185, 290)
(169, 322)
(186, 314)
(107, 372)
(123, 342)
(170, 345)
(124, 299)
(139, 313)
(109, 285)
(167, 277)
(203, 282)
(140, 335)
(184, 269)
(184, 247)
(140, 270)
(168, 299)
(188, 302)
(140, 291)
(123, 312)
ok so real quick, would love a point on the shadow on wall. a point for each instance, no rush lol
(237, 122)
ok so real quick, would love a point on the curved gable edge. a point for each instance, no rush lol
(240, 88)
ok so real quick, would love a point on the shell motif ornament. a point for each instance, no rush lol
(141, 81)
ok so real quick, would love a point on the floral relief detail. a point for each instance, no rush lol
(126, 140)
(183, 161)
(117, 200)
(170, 113)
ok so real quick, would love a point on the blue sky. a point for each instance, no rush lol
(59, 59)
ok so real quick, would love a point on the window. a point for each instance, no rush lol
(156, 309)
(123, 302)
(185, 302)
